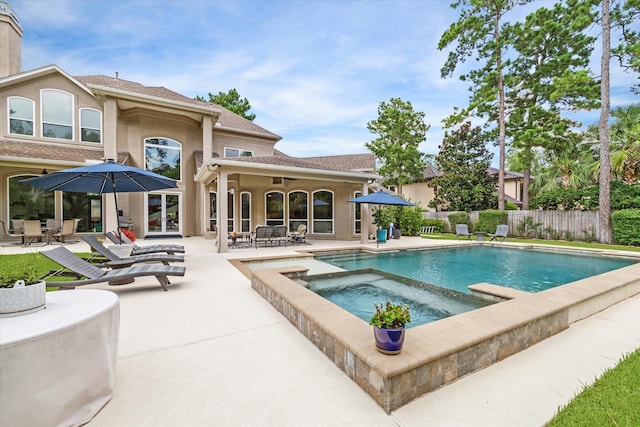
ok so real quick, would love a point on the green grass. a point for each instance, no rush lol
(41, 263)
(613, 400)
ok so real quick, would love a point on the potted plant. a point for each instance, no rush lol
(21, 290)
(381, 219)
(389, 323)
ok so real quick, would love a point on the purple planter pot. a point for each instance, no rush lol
(388, 341)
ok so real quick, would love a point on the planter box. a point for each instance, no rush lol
(23, 300)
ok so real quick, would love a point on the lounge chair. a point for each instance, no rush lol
(142, 250)
(114, 261)
(93, 274)
(501, 232)
(462, 230)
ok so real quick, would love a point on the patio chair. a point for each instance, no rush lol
(11, 234)
(66, 230)
(263, 235)
(279, 234)
(501, 232)
(298, 236)
(94, 274)
(142, 250)
(32, 231)
(462, 230)
(115, 261)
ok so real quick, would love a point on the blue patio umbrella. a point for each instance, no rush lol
(381, 198)
(107, 177)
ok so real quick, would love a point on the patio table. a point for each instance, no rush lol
(58, 364)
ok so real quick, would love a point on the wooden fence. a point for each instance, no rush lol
(579, 224)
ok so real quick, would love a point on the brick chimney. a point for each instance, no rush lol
(10, 41)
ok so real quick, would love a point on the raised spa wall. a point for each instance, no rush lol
(438, 353)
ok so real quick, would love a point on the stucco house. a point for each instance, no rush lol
(423, 193)
(230, 175)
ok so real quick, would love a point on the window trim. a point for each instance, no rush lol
(289, 219)
(87, 127)
(242, 218)
(333, 213)
(33, 115)
(181, 145)
(42, 120)
(357, 210)
(282, 219)
(239, 150)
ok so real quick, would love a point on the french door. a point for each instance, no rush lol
(163, 214)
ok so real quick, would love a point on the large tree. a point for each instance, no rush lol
(479, 32)
(400, 131)
(464, 160)
(625, 143)
(548, 74)
(231, 101)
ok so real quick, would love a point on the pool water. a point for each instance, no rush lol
(456, 268)
(357, 291)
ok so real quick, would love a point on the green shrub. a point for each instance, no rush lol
(626, 226)
(528, 228)
(489, 219)
(459, 218)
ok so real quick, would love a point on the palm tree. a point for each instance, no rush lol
(625, 143)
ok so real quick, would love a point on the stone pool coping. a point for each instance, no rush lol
(438, 353)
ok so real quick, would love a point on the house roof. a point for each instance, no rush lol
(227, 119)
(365, 162)
(298, 162)
(51, 153)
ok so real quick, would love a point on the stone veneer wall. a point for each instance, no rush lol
(393, 381)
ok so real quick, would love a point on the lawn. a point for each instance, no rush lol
(42, 264)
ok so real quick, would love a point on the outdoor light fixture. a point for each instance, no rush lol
(44, 172)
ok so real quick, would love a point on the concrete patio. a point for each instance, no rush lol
(211, 351)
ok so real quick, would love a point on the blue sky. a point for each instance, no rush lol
(313, 71)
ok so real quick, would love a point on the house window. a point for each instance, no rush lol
(29, 202)
(298, 209)
(231, 212)
(163, 156)
(85, 206)
(213, 211)
(357, 214)
(57, 114)
(237, 152)
(21, 112)
(245, 212)
(323, 212)
(90, 125)
(274, 208)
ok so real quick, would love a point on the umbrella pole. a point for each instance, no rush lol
(115, 199)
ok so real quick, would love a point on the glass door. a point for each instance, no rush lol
(163, 214)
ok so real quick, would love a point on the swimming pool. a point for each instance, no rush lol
(456, 268)
(357, 291)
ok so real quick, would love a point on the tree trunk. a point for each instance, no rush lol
(526, 181)
(501, 118)
(603, 129)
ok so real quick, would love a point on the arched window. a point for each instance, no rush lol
(57, 114)
(274, 208)
(298, 209)
(90, 125)
(245, 212)
(163, 156)
(29, 202)
(21, 113)
(323, 212)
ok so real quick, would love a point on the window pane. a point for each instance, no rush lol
(20, 108)
(213, 209)
(245, 212)
(29, 202)
(57, 107)
(298, 209)
(86, 207)
(274, 208)
(231, 152)
(56, 131)
(90, 135)
(90, 119)
(162, 156)
(322, 205)
(21, 127)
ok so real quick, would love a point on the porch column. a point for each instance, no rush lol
(109, 215)
(223, 210)
(207, 138)
(366, 220)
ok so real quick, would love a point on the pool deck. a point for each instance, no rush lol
(212, 351)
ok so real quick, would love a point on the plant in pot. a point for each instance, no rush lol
(389, 323)
(21, 290)
(381, 219)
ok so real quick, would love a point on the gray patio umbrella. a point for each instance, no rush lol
(107, 177)
(381, 198)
